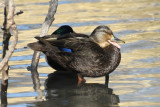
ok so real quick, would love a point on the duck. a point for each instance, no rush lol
(92, 56)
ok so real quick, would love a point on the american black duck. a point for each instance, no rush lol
(92, 56)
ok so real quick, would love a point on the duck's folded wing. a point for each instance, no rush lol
(73, 35)
(87, 64)
(73, 43)
(87, 57)
(42, 45)
(48, 37)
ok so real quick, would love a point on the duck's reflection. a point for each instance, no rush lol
(62, 89)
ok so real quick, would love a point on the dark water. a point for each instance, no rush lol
(134, 83)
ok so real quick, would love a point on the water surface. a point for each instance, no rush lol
(134, 83)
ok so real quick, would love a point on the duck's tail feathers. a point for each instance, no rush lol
(37, 46)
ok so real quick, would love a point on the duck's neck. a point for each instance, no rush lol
(114, 58)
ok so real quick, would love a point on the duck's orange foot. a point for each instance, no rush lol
(80, 80)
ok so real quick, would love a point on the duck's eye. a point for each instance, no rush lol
(104, 31)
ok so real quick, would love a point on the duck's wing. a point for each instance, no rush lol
(49, 37)
(86, 58)
(70, 41)
(41, 44)
(73, 35)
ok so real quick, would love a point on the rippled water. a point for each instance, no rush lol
(134, 83)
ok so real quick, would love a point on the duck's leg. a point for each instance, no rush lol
(80, 80)
(106, 79)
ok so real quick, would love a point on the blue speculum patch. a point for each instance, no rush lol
(66, 50)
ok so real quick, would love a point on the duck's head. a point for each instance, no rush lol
(104, 37)
(63, 30)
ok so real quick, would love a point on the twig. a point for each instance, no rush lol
(18, 13)
(14, 29)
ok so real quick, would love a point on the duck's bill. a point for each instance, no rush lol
(118, 40)
(114, 41)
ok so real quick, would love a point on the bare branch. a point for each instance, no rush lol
(18, 13)
(45, 27)
(13, 27)
(35, 60)
(50, 17)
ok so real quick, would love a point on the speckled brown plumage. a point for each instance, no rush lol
(95, 56)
